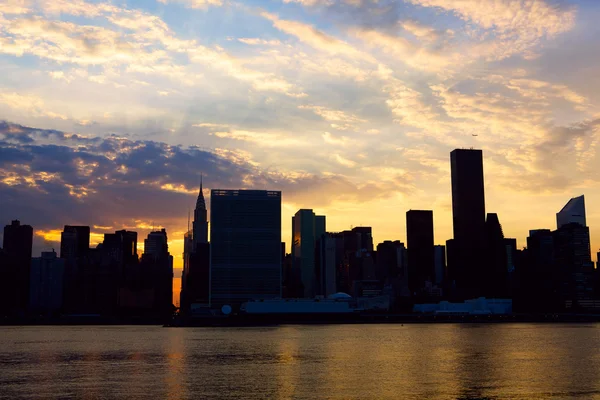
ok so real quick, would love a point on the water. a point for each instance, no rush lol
(429, 361)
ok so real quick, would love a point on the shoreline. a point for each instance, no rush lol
(309, 319)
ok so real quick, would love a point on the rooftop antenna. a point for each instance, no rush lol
(188, 229)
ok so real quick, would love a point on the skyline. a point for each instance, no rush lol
(347, 111)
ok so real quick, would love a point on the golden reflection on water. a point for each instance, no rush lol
(428, 361)
(288, 350)
(175, 365)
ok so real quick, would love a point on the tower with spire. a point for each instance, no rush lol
(200, 224)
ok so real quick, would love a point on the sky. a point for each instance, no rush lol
(111, 110)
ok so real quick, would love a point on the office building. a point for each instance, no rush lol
(74, 242)
(245, 252)
(327, 258)
(468, 217)
(46, 283)
(196, 268)
(419, 235)
(439, 261)
(307, 228)
(572, 212)
(157, 272)
(17, 247)
(496, 272)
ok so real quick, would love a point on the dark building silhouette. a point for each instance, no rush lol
(307, 228)
(200, 224)
(419, 233)
(357, 262)
(74, 241)
(574, 266)
(46, 284)
(327, 255)
(157, 271)
(391, 261)
(15, 268)
(466, 260)
(245, 253)
(439, 257)
(78, 277)
(195, 280)
(495, 261)
(558, 273)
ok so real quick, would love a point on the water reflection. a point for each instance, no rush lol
(434, 361)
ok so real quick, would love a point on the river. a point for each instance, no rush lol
(420, 361)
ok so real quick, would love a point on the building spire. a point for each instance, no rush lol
(200, 203)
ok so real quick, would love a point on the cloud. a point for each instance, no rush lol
(526, 18)
(258, 41)
(517, 25)
(335, 140)
(317, 39)
(200, 4)
(344, 161)
(420, 30)
(28, 103)
(403, 50)
(339, 119)
(141, 42)
(262, 139)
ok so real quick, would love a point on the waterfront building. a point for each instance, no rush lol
(245, 250)
(46, 283)
(307, 228)
(74, 242)
(157, 272)
(439, 259)
(496, 271)
(468, 215)
(14, 288)
(419, 240)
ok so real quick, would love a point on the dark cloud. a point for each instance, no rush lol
(51, 178)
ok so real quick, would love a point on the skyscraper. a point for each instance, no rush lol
(74, 249)
(74, 241)
(200, 224)
(439, 255)
(307, 228)
(245, 251)
(18, 242)
(572, 212)
(419, 235)
(46, 283)
(496, 272)
(468, 216)
(157, 264)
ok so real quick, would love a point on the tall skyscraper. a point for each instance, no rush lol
(200, 224)
(439, 256)
(157, 264)
(74, 249)
(307, 228)
(74, 241)
(155, 244)
(196, 268)
(245, 251)
(572, 212)
(419, 235)
(495, 261)
(17, 245)
(327, 260)
(468, 216)
(46, 283)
